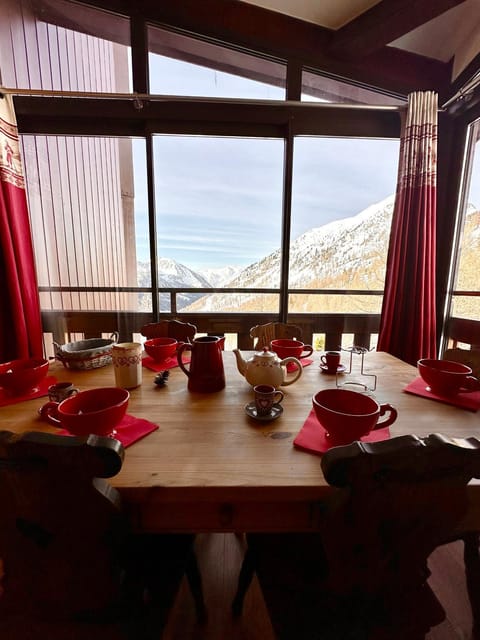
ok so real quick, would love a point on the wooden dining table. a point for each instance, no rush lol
(211, 467)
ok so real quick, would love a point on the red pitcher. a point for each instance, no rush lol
(206, 372)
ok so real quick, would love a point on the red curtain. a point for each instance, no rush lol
(20, 320)
(408, 321)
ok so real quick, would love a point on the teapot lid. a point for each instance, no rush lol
(265, 353)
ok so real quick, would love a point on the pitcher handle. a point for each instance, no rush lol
(297, 373)
(186, 346)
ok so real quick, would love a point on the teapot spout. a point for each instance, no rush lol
(241, 363)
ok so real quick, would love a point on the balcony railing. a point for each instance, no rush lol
(331, 330)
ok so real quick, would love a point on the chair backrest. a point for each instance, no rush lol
(264, 333)
(470, 357)
(181, 331)
(60, 522)
(401, 499)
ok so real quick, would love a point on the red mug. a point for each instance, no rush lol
(285, 348)
(348, 415)
(446, 377)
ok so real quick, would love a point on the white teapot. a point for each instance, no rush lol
(265, 367)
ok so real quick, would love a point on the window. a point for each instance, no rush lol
(187, 206)
(219, 219)
(88, 221)
(184, 66)
(466, 288)
(342, 204)
(322, 88)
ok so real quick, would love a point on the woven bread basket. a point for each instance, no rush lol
(86, 354)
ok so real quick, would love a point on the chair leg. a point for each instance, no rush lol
(471, 558)
(194, 578)
(247, 571)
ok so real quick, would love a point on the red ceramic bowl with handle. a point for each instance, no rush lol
(161, 348)
(22, 375)
(446, 377)
(348, 415)
(96, 411)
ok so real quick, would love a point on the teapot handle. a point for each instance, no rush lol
(185, 346)
(298, 372)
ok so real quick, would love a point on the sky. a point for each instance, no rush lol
(219, 199)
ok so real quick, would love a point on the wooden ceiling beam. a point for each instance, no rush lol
(383, 23)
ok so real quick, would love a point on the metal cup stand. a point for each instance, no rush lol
(357, 351)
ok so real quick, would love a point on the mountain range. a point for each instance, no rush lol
(343, 254)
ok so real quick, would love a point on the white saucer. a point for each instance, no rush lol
(276, 411)
(340, 369)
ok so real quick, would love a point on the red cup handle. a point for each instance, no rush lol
(48, 413)
(384, 408)
(471, 384)
(307, 351)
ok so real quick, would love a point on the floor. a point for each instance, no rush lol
(220, 556)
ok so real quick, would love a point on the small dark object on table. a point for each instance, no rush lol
(162, 378)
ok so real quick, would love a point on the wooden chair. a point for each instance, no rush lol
(181, 331)
(364, 575)
(466, 356)
(65, 549)
(264, 333)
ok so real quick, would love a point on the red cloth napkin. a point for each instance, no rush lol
(41, 390)
(465, 400)
(291, 366)
(312, 436)
(129, 430)
(168, 363)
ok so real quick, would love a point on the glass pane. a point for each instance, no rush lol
(342, 203)
(184, 66)
(87, 202)
(219, 212)
(469, 247)
(318, 88)
(54, 44)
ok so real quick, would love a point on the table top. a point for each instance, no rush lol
(207, 447)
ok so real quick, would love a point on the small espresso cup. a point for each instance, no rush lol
(331, 359)
(265, 397)
(60, 391)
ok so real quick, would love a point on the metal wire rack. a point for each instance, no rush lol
(354, 350)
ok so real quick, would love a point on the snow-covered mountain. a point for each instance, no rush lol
(222, 276)
(344, 254)
(176, 275)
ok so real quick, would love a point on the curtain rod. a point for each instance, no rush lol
(138, 99)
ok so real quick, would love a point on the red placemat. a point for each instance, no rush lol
(41, 390)
(312, 436)
(168, 363)
(291, 366)
(465, 400)
(129, 430)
